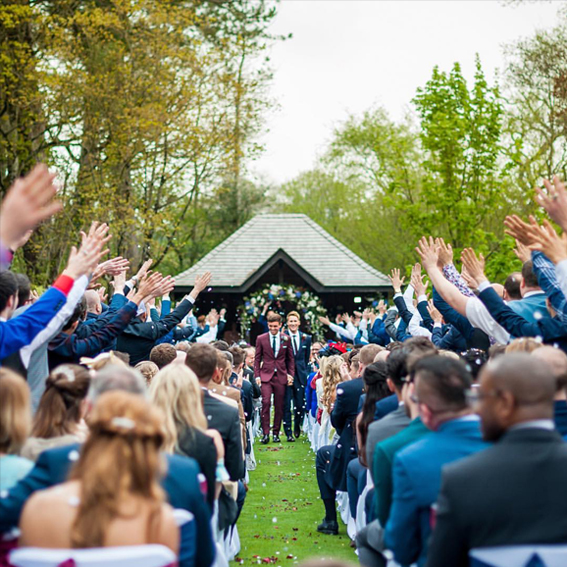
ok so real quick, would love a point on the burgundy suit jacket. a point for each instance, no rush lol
(265, 363)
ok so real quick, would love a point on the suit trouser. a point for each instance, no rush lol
(279, 396)
(356, 483)
(297, 394)
(369, 544)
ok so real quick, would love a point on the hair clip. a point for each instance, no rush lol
(124, 422)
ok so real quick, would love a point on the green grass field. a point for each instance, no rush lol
(282, 510)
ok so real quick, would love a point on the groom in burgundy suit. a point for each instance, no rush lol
(274, 365)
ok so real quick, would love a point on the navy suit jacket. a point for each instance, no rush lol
(417, 480)
(302, 357)
(342, 417)
(181, 485)
(551, 330)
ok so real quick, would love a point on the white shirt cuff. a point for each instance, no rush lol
(484, 285)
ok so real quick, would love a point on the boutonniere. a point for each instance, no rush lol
(285, 338)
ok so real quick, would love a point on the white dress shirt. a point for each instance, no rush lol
(278, 342)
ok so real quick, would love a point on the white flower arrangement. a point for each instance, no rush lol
(307, 304)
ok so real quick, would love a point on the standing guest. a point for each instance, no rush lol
(489, 499)
(176, 391)
(301, 346)
(441, 386)
(163, 354)
(148, 370)
(60, 416)
(139, 337)
(333, 372)
(557, 361)
(15, 426)
(275, 367)
(107, 502)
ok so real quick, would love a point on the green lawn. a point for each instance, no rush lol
(282, 510)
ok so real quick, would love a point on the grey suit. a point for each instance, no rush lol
(383, 428)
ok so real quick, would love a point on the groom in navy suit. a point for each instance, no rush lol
(301, 346)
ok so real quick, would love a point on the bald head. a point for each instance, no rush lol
(499, 289)
(528, 379)
(514, 388)
(93, 302)
(557, 361)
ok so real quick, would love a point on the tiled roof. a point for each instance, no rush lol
(236, 259)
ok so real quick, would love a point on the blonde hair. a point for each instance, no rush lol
(120, 457)
(15, 412)
(147, 369)
(523, 344)
(102, 360)
(331, 376)
(175, 390)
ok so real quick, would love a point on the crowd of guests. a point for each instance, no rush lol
(437, 424)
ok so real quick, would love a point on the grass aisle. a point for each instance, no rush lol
(282, 510)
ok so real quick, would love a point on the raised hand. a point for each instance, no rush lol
(345, 317)
(550, 243)
(115, 266)
(201, 282)
(522, 252)
(381, 307)
(418, 284)
(434, 312)
(470, 281)
(396, 280)
(27, 203)
(324, 320)
(445, 252)
(554, 200)
(521, 231)
(473, 265)
(149, 286)
(84, 260)
(428, 252)
(222, 312)
(143, 269)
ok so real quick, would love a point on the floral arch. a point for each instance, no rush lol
(284, 298)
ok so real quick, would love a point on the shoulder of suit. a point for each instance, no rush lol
(176, 462)
(225, 399)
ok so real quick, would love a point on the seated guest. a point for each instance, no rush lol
(221, 414)
(107, 502)
(175, 390)
(332, 460)
(441, 386)
(492, 498)
(163, 354)
(375, 389)
(59, 419)
(15, 426)
(399, 363)
(148, 370)
(181, 482)
(557, 361)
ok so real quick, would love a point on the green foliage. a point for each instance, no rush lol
(149, 109)
(383, 184)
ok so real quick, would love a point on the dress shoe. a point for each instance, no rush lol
(297, 431)
(265, 439)
(277, 439)
(290, 439)
(329, 528)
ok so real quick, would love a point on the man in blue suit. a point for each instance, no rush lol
(441, 386)
(532, 306)
(301, 345)
(181, 483)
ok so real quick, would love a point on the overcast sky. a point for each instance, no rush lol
(349, 55)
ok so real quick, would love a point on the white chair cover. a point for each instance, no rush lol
(344, 509)
(251, 458)
(125, 556)
(519, 556)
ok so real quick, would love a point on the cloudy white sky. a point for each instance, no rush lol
(349, 55)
